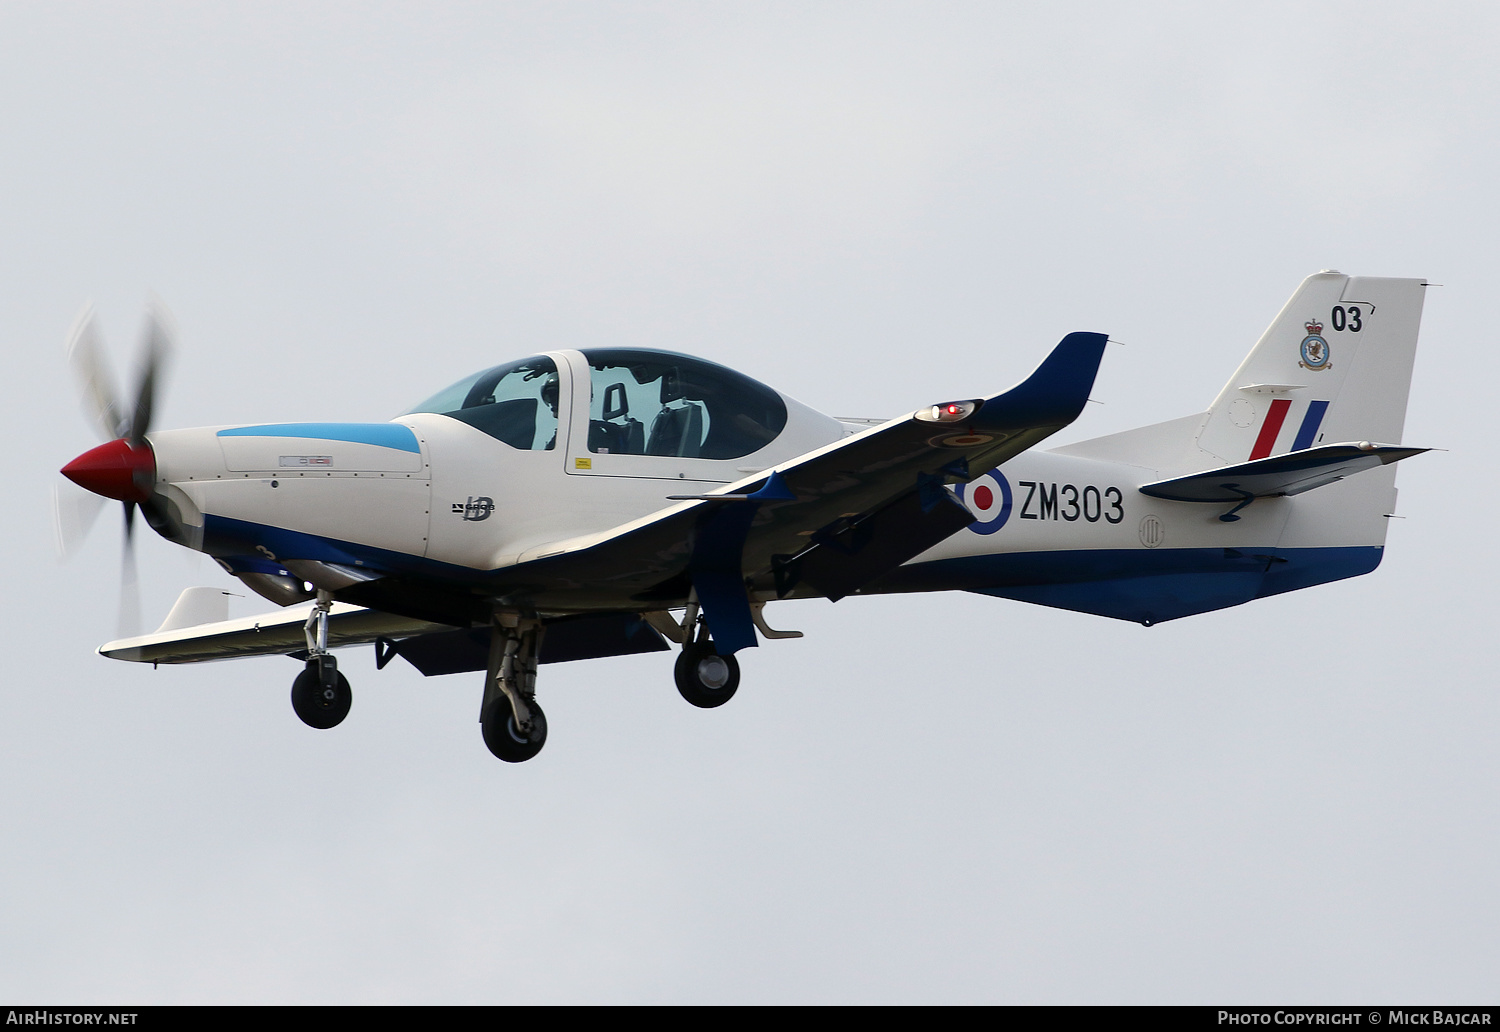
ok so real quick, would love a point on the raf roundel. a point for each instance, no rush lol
(988, 498)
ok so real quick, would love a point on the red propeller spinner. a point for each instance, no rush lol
(115, 470)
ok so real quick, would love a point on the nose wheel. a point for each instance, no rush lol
(320, 694)
(705, 678)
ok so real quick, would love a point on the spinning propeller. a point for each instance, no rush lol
(123, 468)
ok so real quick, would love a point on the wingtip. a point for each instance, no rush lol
(1056, 392)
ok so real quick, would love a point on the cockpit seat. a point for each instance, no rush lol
(625, 437)
(616, 433)
(677, 431)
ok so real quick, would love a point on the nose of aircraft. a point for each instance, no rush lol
(115, 470)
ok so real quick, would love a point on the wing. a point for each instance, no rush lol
(433, 648)
(270, 634)
(824, 523)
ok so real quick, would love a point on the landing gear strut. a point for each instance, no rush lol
(320, 694)
(515, 728)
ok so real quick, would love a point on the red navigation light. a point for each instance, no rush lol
(948, 412)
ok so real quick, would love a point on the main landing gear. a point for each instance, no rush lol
(320, 694)
(515, 728)
(513, 724)
(705, 678)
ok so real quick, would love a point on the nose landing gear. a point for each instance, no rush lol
(320, 694)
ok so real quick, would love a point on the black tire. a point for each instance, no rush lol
(705, 678)
(319, 706)
(503, 737)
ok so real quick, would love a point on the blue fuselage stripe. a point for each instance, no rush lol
(1310, 423)
(1140, 585)
(1136, 584)
(385, 435)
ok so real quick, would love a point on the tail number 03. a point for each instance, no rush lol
(1349, 319)
(1065, 501)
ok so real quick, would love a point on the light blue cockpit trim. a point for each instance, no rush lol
(385, 435)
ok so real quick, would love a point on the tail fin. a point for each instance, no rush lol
(1335, 365)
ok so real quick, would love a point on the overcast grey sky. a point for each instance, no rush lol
(927, 799)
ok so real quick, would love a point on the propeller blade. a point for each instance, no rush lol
(156, 350)
(124, 453)
(74, 512)
(130, 589)
(96, 381)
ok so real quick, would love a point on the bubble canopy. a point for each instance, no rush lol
(647, 402)
(640, 401)
(515, 403)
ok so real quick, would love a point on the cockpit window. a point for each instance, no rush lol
(515, 403)
(648, 402)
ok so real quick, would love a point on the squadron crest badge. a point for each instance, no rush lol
(1315, 353)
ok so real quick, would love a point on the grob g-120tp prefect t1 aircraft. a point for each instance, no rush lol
(582, 504)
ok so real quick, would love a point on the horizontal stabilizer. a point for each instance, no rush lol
(1289, 474)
